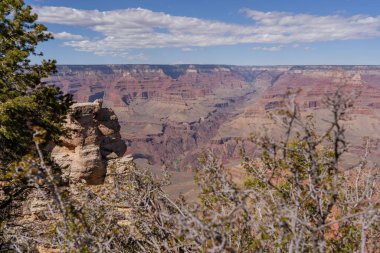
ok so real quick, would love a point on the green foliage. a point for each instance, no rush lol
(297, 197)
(292, 201)
(25, 101)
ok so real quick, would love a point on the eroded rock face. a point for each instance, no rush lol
(95, 139)
(170, 114)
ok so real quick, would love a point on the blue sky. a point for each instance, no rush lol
(240, 32)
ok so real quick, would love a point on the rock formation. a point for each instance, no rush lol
(169, 114)
(95, 139)
(92, 155)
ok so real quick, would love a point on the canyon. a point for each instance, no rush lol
(170, 114)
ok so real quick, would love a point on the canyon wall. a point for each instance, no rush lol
(169, 114)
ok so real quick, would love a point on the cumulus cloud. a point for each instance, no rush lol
(310, 28)
(121, 30)
(68, 36)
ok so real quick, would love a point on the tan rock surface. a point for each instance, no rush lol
(95, 139)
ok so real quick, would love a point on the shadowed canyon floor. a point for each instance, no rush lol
(170, 114)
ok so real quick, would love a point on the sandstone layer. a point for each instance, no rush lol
(94, 140)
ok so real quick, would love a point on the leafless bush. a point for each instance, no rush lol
(297, 197)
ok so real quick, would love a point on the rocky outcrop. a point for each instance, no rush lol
(95, 139)
(93, 156)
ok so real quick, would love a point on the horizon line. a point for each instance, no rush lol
(222, 64)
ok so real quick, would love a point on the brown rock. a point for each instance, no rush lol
(113, 155)
(95, 139)
(105, 130)
(42, 249)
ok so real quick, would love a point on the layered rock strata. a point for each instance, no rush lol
(171, 113)
(95, 139)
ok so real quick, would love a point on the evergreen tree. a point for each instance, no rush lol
(26, 103)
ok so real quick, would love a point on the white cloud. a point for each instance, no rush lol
(307, 48)
(137, 57)
(187, 49)
(310, 28)
(121, 30)
(281, 47)
(68, 36)
(269, 49)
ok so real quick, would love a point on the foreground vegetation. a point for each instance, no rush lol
(297, 195)
(26, 104)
